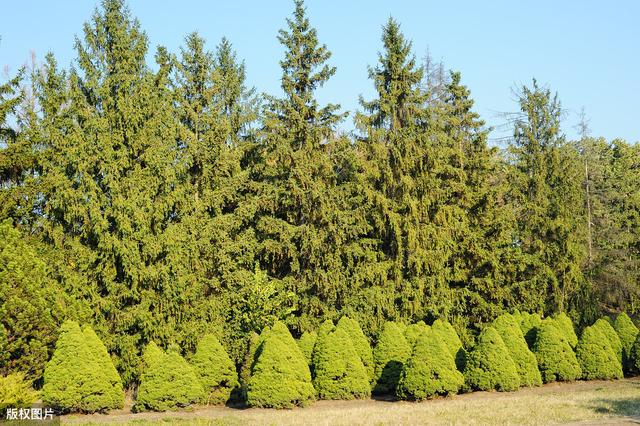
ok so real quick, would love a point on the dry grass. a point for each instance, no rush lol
(594, 402)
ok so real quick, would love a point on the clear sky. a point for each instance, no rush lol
(588, 51)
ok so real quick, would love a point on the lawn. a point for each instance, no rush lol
(593, 402)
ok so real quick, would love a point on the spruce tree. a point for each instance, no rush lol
(360, 343)
(214, 368)
(489, 364)
(607, 329)
(597, 358)
(564, 323)
(389, 355)
(430, 371)
(167, 381)
(306, 343)
(80, 375)
(627, 331)
(338, 369)
(556, 359)
(413, 332)
(526, 363)
(280, 377)
(448, 334)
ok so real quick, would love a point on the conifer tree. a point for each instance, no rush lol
(413, 332)
(447, 333)
(389, 355)
(526, 363)
(167, 381)
(627, 331)
(280, 377)
(564, 323)
(80, 375)
(556, 359)
(430, 371)
(489, 364)
(596, 356)
(546, 183)
(214, 368)
(360, 343)
(338, 369)
(607, 329)
(306, 343)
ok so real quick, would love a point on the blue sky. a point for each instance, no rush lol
(588, 51)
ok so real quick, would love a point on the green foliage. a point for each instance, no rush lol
(16, 392)
(360, 343)
(447, 333)
(214, 368)
(489, 364)
(635, 356)
(526, 363)
(280, 377)
(627, 331)
(529, 324)
(414, 331)
(389, 355)
(597, 358)
(167, 381)
(338, 369)
(306, 344)
(565, 325)
(32, 305)
(556, 359)
(430, 371)
(80, 375)
(614, 340)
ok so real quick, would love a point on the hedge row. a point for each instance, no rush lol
(414, 362)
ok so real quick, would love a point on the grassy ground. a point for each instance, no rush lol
(585, 403)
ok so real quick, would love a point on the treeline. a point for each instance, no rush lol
(162, 202)
(411, 362)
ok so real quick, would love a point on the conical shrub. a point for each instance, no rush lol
(529, 324)
(414, 332)
(489, 365)
(339, 372)
(430, 371)
(360, 343)
(556, 360)
(214, 368)
(607, 329)
(565, 325)
(526, 364)
(447, 333)
(280, 377)
(306, 343)
(167, 381)
(596, 356)
(80, 375)
(635, 356)
(389, 356)
(627, 332)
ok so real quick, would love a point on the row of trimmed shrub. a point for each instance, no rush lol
(414, 362)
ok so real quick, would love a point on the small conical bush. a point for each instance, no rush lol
(526, 364)
(280, 377)
(627, 332)
(360, 343)
(430, 371)
(489, 365)
(339, 372)
(565, 325)
(80, 376)
(306, 343)
(596, 356)
(214, 368)
(556, 359)
(414, 332)
(607, 329)
(529, 324)
(389, 356)
(448, 334)
(167, 381)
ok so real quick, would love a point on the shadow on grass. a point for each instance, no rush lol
(627, 407)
